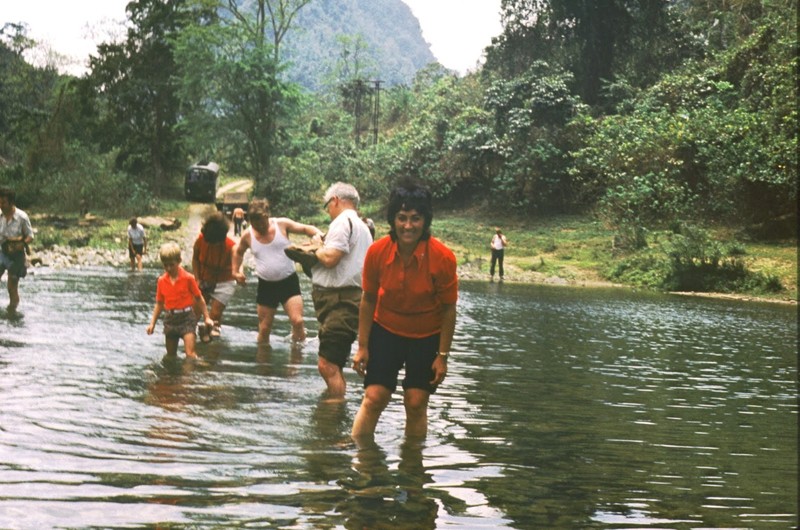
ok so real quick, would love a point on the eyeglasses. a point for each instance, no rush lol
(325, 206)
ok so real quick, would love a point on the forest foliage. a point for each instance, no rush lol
(646, 114)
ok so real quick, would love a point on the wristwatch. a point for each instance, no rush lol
(444, 354)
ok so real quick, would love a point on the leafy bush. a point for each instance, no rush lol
(298, 184)
(714, 140)
(647, 269)
(531, 139)
(691, 261)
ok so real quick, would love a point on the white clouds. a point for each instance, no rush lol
(458, 30)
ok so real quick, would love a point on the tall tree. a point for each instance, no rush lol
(136, 80)
(598, 41)
(232, 77)
(271, 19)
(25, 92)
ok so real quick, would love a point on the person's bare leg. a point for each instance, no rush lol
(415, 401)
(215, 312)
(333, 377)
(294, 310)
(266, 316)
(13, 292)
(376, 397)
(172, 346)
(189, 341)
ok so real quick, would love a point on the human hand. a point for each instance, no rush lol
(360, 360)
(239, 277)
(439, 369)
(150, 329)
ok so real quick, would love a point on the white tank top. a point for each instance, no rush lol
(272, 264)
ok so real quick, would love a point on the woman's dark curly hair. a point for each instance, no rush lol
(215, 228)
(410, 194)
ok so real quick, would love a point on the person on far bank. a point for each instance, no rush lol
(238, 221)
(407, 316)
(15, 235)
(178, 296)
(336, 280)
(498, 246)
(212, 259)
(137, 243)
(278, 283)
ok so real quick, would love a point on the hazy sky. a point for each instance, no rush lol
(457, 30)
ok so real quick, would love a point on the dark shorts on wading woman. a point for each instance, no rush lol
(388, 353)
(337, 312)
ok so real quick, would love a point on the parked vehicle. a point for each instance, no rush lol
(232, 200)
(201, 182)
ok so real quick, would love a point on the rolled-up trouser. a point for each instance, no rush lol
(337, 313)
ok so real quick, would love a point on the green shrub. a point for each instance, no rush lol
(644, 269)
(698, 263)
(736, 249)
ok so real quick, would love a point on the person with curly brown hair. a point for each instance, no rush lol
(212, 260)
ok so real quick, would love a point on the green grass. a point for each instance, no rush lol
(580, 248)
(577, 248)
(567, 246)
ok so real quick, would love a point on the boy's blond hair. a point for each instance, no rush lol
(170, 252)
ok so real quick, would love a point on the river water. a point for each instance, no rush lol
(564, 408)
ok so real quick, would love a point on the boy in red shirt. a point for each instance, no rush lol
(178, 294)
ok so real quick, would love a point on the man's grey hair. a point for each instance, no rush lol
(343, 191)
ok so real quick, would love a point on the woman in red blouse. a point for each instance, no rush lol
(407, 315)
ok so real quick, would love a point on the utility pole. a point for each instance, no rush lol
(376, 110)
(357, 111)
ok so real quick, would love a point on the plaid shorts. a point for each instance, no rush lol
(179, 322)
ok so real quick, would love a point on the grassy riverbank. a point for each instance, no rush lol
(573, 250)
(579, 250)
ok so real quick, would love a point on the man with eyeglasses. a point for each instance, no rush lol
(336, 280)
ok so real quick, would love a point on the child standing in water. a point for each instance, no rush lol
(178, 295)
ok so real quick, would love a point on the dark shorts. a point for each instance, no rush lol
(177, 324)
(388, 353)
(137, 250)
(337, 313)
(272, 294)
(14, 263)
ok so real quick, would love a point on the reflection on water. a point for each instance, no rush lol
(564, 408)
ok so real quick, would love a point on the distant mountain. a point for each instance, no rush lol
(394, 45)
